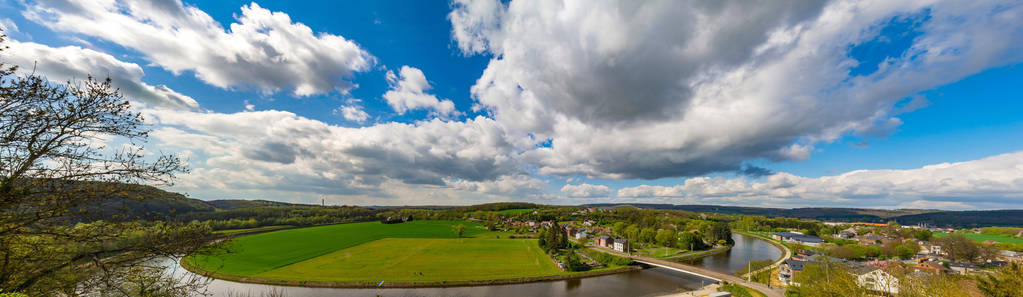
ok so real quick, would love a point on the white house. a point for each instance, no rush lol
(581, 235)
(931, 249)
(879, 281)
(622, 245)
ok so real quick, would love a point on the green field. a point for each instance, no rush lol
(659, 252)
(985, 237)
(420, 259)
(413, 251)
(257, 229)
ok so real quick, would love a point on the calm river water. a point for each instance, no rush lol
(647, 282)
(747, 248)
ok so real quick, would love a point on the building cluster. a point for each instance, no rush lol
(870, 276)
(930, 259)
(581, 231)
(590, 210)
(929, 251)
(618, 244)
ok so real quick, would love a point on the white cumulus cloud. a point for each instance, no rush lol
(586, 191)
(262, 49)
(354, 113)
(513, 186)
(69, 63)
(408, 91)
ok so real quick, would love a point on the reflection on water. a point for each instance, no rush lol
(647, 282)
(746, 249)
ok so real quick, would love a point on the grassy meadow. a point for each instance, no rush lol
(423, 259)
(985, 237)
(254, 254)
(257, 229)
(660, 252)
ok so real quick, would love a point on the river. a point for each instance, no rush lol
(746, 248)
(647, 282)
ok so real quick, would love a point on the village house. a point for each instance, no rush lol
(788, 269)
(930, 250)
(876, 280)
(602, 241)
(994, 263)
(963, 268)
(580, 235)
(931, 267)
(622, 245)
(798, 238)
(1012, 256)
(869, 239)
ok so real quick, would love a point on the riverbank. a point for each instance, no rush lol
(706, 290)
(700, 254)
(385, 284)
(786, 252)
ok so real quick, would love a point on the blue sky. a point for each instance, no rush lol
(833, 103)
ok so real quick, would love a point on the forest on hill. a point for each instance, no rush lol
(937, 218)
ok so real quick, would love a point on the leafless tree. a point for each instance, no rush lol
(55, 168)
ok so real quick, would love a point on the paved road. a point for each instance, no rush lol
(771, 292)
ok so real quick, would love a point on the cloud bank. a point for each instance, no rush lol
(654, 89)
(601, 89)
(281, 150)
(992, 182)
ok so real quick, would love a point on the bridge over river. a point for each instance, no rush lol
(700, 271)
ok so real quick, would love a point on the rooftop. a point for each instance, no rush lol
(800, 237)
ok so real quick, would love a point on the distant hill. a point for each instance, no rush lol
(902, 216)
(150, 203)
(237, 203)
(146, 202)
(982, 218)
